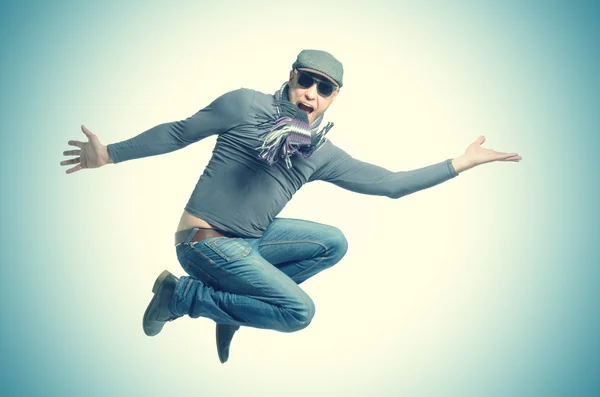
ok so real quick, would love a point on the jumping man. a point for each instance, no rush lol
(245, 264)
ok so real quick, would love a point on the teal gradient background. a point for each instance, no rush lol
(487, 285)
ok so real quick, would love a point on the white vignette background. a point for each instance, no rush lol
(486, 285)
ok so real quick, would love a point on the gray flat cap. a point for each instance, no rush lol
(321, 61)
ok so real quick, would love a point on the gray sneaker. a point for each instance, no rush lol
(224, 335)
(158, 313)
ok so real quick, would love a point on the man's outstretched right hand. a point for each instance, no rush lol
(92, 154)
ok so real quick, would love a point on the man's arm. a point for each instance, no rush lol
(361, 177)
(221, 115)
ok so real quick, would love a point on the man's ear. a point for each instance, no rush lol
(334, 95)
(291, 76)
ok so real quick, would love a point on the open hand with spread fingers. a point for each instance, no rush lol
(92, 154)
(476, 155)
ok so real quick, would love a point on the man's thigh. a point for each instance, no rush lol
(294, 240)
(233, 265)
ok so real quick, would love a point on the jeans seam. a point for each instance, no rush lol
(307, 269)
(293, 241)
(301, 241)
(223, 269)
(187, 288)
(253, 286)
(185, 251)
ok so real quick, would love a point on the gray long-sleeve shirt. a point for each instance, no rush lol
(241, 194)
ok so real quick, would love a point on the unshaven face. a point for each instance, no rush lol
(308, 99)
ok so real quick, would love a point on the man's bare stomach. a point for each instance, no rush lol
(189, 221)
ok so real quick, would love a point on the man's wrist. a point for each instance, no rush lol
(461, 164)
(107, 158)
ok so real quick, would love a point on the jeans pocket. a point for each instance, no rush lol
(229, 249)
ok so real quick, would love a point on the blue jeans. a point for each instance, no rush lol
(254, 281)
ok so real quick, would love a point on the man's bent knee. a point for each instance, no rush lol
(301, 316)
(337, 244)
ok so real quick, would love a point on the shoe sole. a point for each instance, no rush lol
(222, 359)
(159, 280)
(161, 277)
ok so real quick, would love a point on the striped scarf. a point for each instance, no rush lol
(288, 132)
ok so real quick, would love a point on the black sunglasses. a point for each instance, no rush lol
(306, 80)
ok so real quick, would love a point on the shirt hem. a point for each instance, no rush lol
(213, 221)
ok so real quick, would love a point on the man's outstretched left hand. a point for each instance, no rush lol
(476, 155)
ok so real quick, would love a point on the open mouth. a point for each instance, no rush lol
(306, 108)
